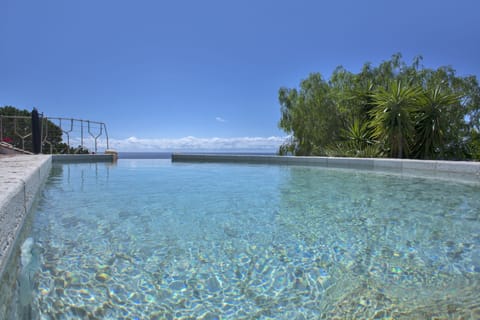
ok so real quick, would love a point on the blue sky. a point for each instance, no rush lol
(176, 74)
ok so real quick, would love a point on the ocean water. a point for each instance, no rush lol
(168, 155)
(151, 239)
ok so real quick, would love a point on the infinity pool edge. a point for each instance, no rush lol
(464, 171)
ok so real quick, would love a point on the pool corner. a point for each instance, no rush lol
(21, 176)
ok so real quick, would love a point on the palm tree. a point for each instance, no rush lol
(392, 117)
(432, 122)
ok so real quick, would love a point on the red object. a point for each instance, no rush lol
(7, 140)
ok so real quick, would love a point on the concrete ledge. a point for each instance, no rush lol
(428, 165)
(449, 170)
(69, 158)
(460, 166)
(308, 161)
(395, 164)
(261, 159)
(358, 163)
(21, 177)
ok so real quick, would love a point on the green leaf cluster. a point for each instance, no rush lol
(391, 110)
(13, 132)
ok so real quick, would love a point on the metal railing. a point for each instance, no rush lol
(75, 135)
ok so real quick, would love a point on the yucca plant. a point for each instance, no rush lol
(431, 122)
(356, 142)
(392, 117)
(358, 133)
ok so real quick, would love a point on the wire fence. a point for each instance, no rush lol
(58, 135)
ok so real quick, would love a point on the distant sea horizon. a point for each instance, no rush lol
(168, 155)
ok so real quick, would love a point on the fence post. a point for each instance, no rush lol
(36, 132)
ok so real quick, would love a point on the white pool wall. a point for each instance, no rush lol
(466, 171)
(75, 158)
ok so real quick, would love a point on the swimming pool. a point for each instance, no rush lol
(151, 239)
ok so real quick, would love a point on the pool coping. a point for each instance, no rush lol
(21, 179)
(464, 171)
(77, 158)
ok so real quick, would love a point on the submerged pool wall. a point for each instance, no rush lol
(21, 179)
(451, 170)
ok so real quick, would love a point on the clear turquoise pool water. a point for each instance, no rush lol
(148, 239)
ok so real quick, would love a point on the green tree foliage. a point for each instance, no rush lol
(356, 141)
(18, 132)
(431, 122)
(391, 110)
(310, 115)
(392, 117)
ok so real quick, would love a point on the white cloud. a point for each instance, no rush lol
(220, 119)
(252, 144)
(192, 144)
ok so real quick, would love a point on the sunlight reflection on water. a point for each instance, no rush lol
(149, 239)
